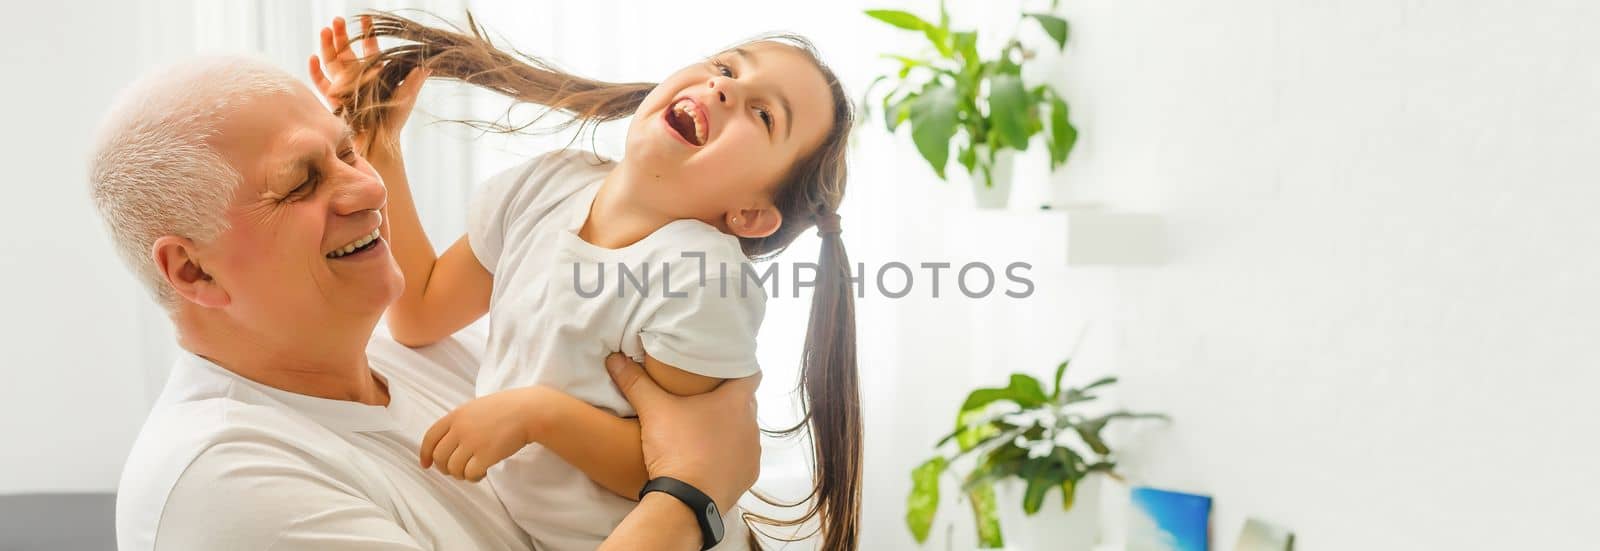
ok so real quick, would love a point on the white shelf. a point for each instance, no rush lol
(1070, 237)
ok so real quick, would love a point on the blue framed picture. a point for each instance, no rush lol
(1162, 520)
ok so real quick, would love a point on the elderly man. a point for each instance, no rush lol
(227, 187)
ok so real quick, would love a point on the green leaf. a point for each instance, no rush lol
(904, 61)
(988, 520)
(963, 424)
(1004, 461)
(970, 434)
(901, 19)
(968, 157)
(923, 502)
(1126, 415)
(1070, 460)
(1007, 66)
(1091, 436)
(906, 65)
(1008, 106)
(1089, 429)
(1069, 488)
(1044, 473)
(1056, 27)
(966, 44)
(977, 399)
(1055, 391)
(940, 38)
(933, 123)
(1103, 381)
(1033, 497)
(897, 112)
(1028, 390)
(1024, 390)
(1062, 134)
(874, 84)
(1104, 466)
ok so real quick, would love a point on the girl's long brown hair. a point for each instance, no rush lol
(810, 193)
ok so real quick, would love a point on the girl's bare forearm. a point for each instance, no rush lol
(407, 240)
(605, 447)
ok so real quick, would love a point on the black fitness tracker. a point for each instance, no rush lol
(705, 510)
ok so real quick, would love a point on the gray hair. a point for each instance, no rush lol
(154, 172)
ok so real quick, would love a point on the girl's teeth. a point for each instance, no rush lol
(687, 107)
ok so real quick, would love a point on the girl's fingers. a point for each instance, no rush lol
(342, 35)
(431, 440)
(476, 469)
(406, 94)
(321, 81)
(325, 46)
(458, 462)
(442, 453)
(369, 41)
(317, 77)
(314, 70)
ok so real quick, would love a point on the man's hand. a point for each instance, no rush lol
(710, 441)
(481, 433)
(344, 73)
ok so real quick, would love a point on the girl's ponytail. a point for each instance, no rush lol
(832, 399)
(469, 56)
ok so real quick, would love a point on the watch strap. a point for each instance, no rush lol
(704, 508)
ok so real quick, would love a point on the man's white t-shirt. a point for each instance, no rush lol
(560, 305)
(227, 463)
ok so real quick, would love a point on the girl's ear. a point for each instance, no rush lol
(175, 258)
(753, 223)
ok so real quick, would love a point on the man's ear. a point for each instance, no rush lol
(753, 223)
(175, 259)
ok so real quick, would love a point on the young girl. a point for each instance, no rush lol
(727, 160)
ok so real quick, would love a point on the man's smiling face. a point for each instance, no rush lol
(299, 248)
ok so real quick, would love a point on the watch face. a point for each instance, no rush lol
(716, 520)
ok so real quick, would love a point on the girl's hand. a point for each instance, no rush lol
(344, 74)
(481, 433)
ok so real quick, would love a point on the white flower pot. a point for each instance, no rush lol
(994, 196)
(1075, 529)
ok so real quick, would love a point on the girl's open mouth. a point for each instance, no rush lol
(687, 119)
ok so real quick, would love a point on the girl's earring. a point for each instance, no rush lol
(736, 220)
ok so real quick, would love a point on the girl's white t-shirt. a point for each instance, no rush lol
(560, 305)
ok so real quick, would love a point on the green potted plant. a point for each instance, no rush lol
(1017, 433)
(952, 95)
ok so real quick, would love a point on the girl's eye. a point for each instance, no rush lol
(725, 70)
(766, 118)
(348, 156)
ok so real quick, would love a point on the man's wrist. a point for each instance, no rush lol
(723, 502)
(679, 527)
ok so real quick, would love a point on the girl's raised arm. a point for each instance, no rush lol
(442, 293)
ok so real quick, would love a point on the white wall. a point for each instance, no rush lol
(72, 393)
(1377, 325)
